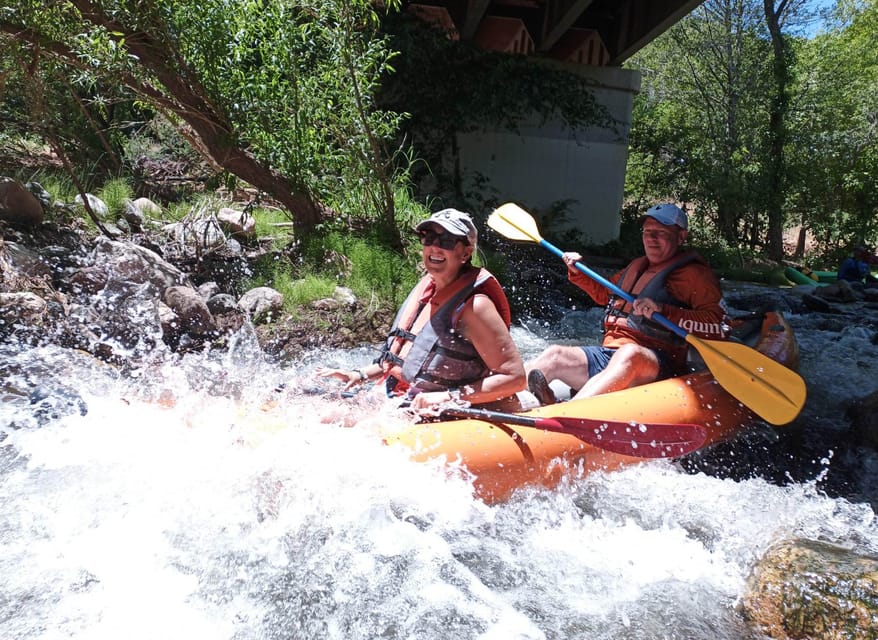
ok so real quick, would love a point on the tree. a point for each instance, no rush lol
(275, 93)
(833, 148)
(700, 119)
(715, 115)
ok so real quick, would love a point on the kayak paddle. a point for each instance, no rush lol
(641, 440)
(771, 390)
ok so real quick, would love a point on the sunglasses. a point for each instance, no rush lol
(445, 241)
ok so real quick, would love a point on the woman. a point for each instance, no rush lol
(450, 341)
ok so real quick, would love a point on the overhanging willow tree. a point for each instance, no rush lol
(264, 86)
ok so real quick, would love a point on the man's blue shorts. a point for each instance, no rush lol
(599, 357)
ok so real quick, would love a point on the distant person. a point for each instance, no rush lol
(857, 267)
(450, 341)
(669, 280)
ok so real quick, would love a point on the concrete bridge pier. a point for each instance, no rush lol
(545, 164)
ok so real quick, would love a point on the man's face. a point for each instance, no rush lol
(661, 242)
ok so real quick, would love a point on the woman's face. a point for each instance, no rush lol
(443, 253)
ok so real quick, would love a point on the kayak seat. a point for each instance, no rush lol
(746, 329)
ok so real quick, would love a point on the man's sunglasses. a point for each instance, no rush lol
(444, 240)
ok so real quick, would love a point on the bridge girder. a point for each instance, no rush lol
(623, 26)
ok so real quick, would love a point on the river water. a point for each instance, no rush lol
(167, 502)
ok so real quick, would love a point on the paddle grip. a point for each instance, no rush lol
(657, 317)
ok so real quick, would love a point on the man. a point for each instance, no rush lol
(857, 268)
(678, 284)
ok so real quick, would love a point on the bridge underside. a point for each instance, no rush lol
(544, 165)
(555, 27)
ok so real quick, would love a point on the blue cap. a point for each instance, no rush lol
(668, 214)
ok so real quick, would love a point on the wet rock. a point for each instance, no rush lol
(223, 303)
(207, 290)
(18, 205)
(135, 264)
(22, 307)
(26, 261)
(262, 303)
(863, 415)
(52, 402)
(191, 310)
(97, 206)
(840, 291)
(814, 303)
(89, 280)
(815, 590)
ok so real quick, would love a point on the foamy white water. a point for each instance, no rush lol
(196, 514)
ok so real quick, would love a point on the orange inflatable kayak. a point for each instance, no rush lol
(503, 457)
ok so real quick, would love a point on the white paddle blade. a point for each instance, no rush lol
(513, 222)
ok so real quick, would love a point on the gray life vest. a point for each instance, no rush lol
(439, 357)
(656, 290)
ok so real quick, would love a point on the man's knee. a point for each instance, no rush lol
(637, 359)
(556, 359)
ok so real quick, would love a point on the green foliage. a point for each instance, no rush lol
(302, 291)
(701, 131)
(700, 121)
(364, 264)
(114, 194)
(271, 223)
(292, 83)
(351, 252)
(834, 155)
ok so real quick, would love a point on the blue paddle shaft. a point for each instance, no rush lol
(667, 324)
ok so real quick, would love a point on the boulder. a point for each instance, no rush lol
(262, 303)
(18, 205)
(98, 206)
(237, 223)
(191, 310)
(863, 415)
(815, 590)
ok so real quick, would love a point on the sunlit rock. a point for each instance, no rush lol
(262, 303)
(147, 207)
(808, 589)
(97, 206)
(238, 223)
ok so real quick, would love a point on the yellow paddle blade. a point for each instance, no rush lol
(513, 222)
(771, 390)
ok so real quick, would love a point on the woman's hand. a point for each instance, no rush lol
(350, 378)
(429, 403)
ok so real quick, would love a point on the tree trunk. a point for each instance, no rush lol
(776, 130)
(183, 96)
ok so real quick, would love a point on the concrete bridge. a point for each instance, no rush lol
(548, 163)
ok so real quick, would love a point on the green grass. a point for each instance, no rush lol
(303, 291)
(57, 183)
(114, 194)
